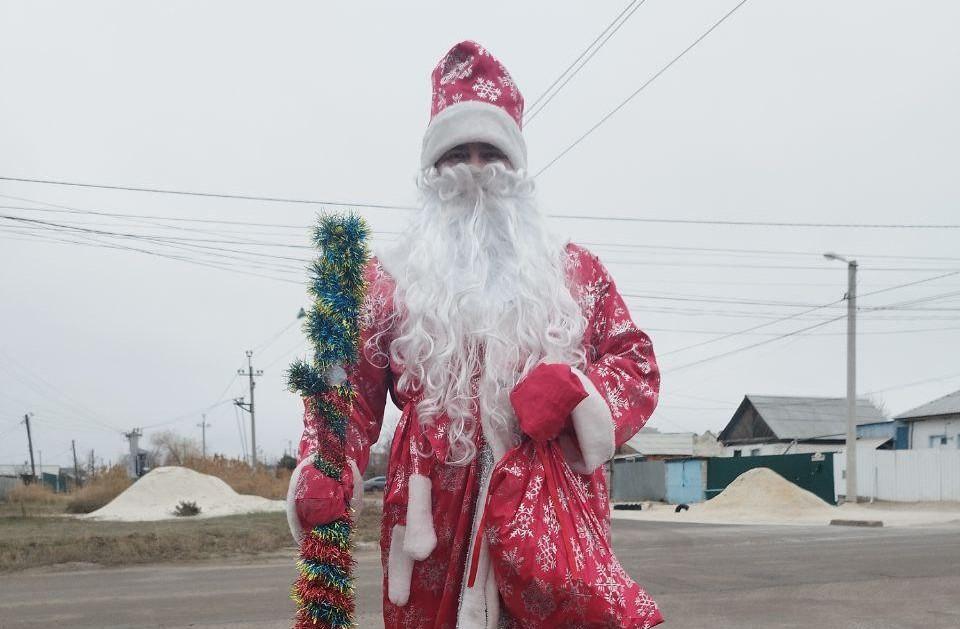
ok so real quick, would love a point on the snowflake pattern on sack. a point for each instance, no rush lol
(546, 553)
(538, 600)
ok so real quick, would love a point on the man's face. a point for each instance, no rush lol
(473, 154)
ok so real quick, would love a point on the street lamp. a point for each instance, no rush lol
(851, 298)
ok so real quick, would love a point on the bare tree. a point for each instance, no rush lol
(172, 448)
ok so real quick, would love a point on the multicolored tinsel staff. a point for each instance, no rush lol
(324, 588)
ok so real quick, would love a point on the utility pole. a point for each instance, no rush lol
(76, 467)
(33, 468)
(133, 469)
(851, 495)
(250, 408)
(203, 436)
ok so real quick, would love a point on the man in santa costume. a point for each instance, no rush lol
(476, 298)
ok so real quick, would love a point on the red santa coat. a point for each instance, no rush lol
(430, 507)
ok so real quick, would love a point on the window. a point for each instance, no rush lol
(937, 441)
(755, 452)
(737, 453)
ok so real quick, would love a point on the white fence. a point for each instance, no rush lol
(903, 475)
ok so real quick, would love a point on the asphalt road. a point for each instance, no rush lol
(702, 576)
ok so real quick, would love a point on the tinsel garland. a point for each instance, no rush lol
(324, 588)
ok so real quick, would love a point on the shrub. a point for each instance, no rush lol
(186, 509)
(241, 477)
(99, 491)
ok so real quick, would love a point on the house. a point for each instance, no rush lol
(769, 424)
(935, 424)
(652, 444)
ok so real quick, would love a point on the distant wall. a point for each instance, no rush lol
(7, 483)
(637, 480)
(927, 433)
(903, 475)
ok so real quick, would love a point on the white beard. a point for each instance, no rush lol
(482, 297)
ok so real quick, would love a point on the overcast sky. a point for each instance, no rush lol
(840, 112)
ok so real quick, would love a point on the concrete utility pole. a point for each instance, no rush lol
(851, 297)
(76, 467)
(33, 468)
(203, 436)
(250, 408)
(133, 469)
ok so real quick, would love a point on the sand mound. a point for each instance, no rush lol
(762, 491)
(156, 495)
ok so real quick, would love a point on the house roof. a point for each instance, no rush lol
(662, 443)
(803, 418)
(947, 405)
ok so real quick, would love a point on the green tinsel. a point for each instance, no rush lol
(338, 287)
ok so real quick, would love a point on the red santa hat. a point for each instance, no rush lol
(474, 100)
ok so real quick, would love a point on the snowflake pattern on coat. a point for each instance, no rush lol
(621, 365)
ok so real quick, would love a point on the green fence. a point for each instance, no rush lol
(809, 471)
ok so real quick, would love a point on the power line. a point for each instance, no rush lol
(214, 195)
(859, 332)
(56, 208)
(633, 219)
(577, 60)
(534, 111)
(753, 345)
(756, 327)
(641, 88)
(223, 266)
(734, 223)
(913, 384)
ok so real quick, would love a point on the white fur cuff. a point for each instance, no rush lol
(593, 423)
(356, 501)
(420, 539)
(399, 568)
(292, 520)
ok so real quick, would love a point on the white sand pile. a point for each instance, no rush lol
(764, 493)
(156, 495)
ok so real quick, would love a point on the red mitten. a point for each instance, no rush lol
(320, 499)
(544, 399)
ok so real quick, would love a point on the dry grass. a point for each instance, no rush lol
(244, 480)
(27, 542)
(34, 495)
(34, 531)
(99, 491)
(41, 541)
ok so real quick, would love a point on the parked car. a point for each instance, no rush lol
(377, 483)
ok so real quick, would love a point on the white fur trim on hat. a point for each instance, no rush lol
(399, 568)
(473, 121)
(420, 539)
(593, 424)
